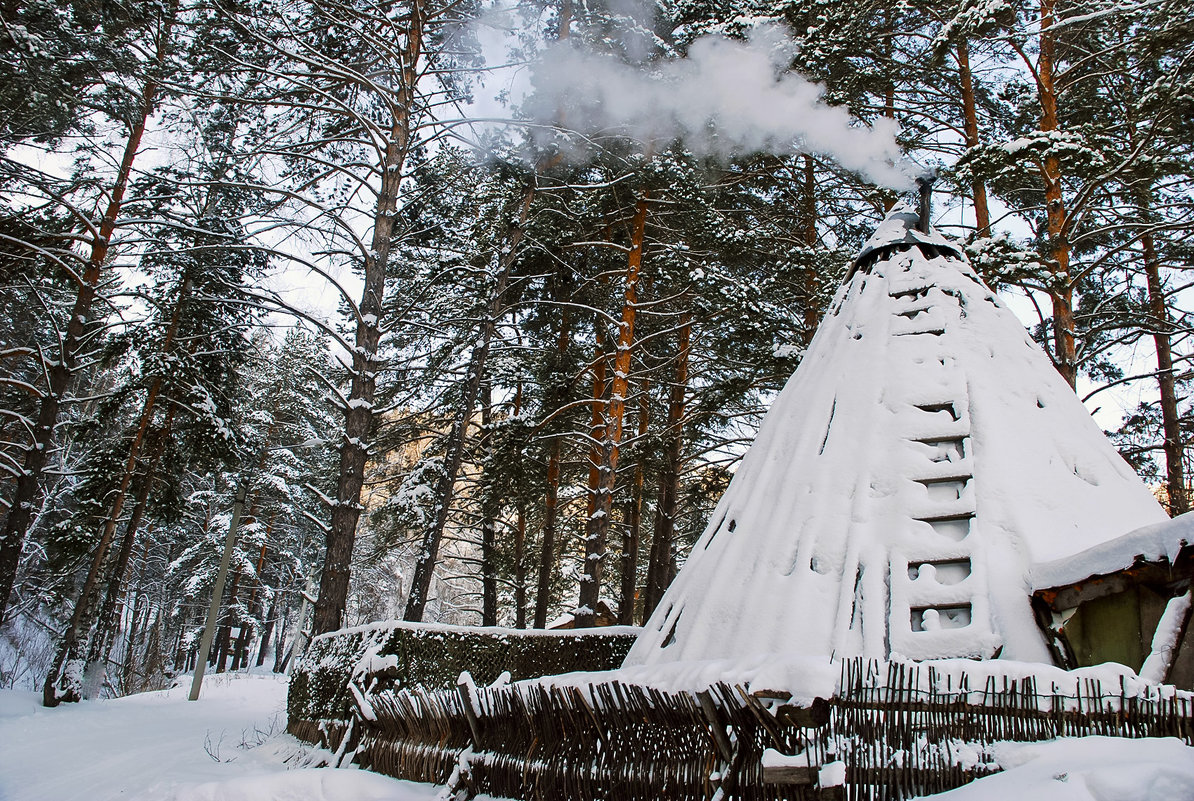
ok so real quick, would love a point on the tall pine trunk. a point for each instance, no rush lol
(982, 216)
(489, 513)
(267, 630)
(659, 562)
(597, 531)
(551, 494)
(241, 657)
(520, 541)
(224, 639)
(520, 568)
(811, 317)
(64, 681)
(108, 620)
(597, 430)
(547, 548)
(634, 517)
(1061, 289)
(332, 600)
(1162, 327)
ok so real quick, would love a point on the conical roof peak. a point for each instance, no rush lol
(901, 227)
(923, 459)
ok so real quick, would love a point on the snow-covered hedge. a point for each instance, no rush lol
(433, 656)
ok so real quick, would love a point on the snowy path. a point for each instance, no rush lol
(154, 747)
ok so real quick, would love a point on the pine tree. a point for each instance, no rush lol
(60, 368)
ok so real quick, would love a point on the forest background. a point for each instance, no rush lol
(575, 248)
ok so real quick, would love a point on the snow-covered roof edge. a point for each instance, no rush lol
(1152, 543)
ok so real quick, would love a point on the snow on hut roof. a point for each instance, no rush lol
(1152, 543)
(899, 227)
(923, 458)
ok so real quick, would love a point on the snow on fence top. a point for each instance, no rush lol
(433, 656)
(922, 461)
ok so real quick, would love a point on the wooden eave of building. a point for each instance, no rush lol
(604, 616)
(1157, 574)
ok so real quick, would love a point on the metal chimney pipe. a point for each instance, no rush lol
(924, 185)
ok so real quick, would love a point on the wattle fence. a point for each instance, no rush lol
(430, 656)
(891, 731)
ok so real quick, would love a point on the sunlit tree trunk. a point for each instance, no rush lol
(597, 531)
(982, 216)
(1061, 289)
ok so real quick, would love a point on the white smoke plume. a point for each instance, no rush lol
(727, 97)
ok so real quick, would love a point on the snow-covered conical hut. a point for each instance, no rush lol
(922, 462)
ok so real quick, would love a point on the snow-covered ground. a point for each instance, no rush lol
(231, 746)
(1087, 769)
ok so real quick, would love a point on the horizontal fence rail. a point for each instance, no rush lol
(897, 730)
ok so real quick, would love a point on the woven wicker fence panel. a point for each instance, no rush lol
(609, 741)
(897, 734)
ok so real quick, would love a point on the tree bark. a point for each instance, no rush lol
(60, 373)
(108, 620)
(138, 622)
(1175, 479)
(153, 652)
(332, 601)
(597, 429)
(520, 568)
(597, 533)
(659, 562)
(271, 620)
(454, 453)
(241, 649)
(548, 545)
(489, 513)
(634, 516)
(551, 495)
(224, 639)
(520, 541)
(1061, 289)
(811, 317)
(982, 215)
(889, 197)
(241, 658)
